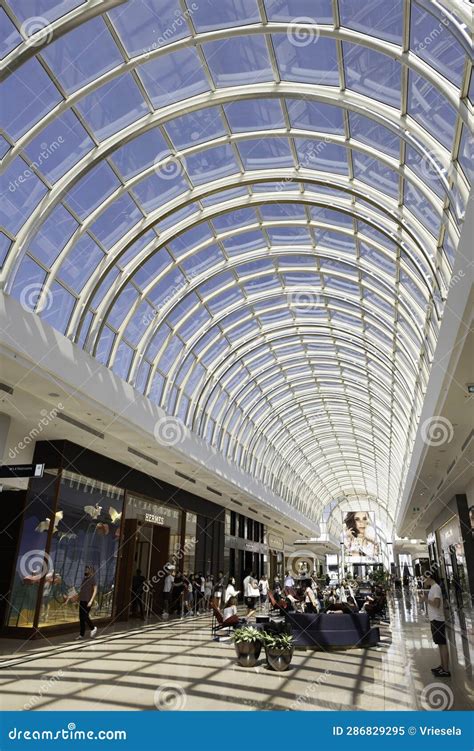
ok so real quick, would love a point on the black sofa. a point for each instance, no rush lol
(324, 630)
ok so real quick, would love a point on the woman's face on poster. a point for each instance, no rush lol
(361, 522)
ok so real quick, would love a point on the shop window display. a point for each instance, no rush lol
(33, 563)
(84, 530)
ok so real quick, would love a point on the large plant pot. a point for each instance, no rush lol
(248, 653)
(279, 659)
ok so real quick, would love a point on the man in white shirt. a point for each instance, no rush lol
(167, 587)
(435, 610)
(289, 581)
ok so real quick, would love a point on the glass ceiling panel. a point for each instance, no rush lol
(431, 40)
(428, 106)
(48, 9)
(74, 63)
(196, 127)
(295, 308)
(59, 146)
(31, 86)
(319, 11)
(381, 19)
(254, 114)
(224, 14)
(238, 60)
(144, 26)
(174, 77)
(318, 116)
(373, 74)
(309, 63)
(113, 106)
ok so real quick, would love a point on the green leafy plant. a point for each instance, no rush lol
(247, 634)
(281, 642)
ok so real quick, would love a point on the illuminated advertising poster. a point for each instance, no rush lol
(360, 538)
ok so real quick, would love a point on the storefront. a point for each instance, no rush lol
(245, 547)
(453, 564)
(72, 520)
(276, 557)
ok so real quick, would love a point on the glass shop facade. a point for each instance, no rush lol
(71, 520)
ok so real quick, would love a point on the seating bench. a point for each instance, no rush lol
(323, 630)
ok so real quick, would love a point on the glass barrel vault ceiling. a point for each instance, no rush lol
(249, 210)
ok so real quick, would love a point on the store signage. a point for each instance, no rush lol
(450, 533)
(275, 542)
(154, 518)
(253, 547)
(21, 470)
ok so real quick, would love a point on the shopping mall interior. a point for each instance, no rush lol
(236, 356)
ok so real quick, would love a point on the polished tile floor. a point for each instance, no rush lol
(176, 665)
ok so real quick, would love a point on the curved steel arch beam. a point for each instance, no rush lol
(350, 144)
(214, 376)
(326, 400)
(383, 114)
(313, 331)
(277, 334)
(54, 30)
(212, 212)
(406, 58)
(283, 391)
(234, 263)
(235, 405)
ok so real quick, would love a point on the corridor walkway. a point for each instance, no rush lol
(176, 665)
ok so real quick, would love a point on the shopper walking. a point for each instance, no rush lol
(263, 589)
(87, 595)
(167, 589)
(219, 589)
(137, 594)
(434, 602)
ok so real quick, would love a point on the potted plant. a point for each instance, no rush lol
(279, 650)
(248, 644)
